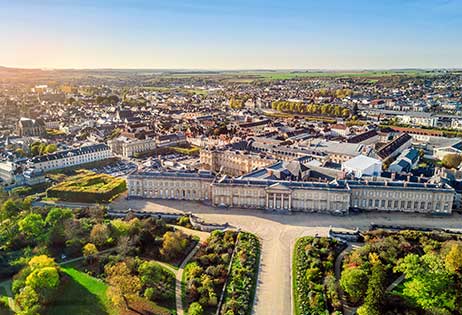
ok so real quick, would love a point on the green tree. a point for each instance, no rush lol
(428, 282)
(375, 291)
(9, 208)
(354, 282)
(32, 226)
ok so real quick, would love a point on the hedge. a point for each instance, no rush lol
(240, 291)
(88, 187)
(313, 260)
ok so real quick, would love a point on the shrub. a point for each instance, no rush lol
(195, 309)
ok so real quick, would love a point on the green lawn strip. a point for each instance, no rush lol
(81, 294)
(294, 278)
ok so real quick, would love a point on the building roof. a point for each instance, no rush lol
(361, 162)
(66, 153)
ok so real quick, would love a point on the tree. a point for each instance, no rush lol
(100, 234)
(150, 273)
(32, 226)
(174, 244)
(89, 252)
(122, 283)
(452, 160)
(57, 216)
(453, 259)
(41, 261)
(50, 148)
(354, 282)
(28, 300)
(428, 283)
(375, 290)
(195, 309)
(9, 208)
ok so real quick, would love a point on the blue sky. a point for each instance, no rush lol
(231, 34)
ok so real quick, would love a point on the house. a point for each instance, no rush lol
(340, 130)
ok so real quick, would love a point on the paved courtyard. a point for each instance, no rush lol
(278, 233)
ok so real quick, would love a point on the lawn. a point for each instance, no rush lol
(81, 294)
(85, 295)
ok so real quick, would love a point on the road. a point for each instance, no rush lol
(278, 233)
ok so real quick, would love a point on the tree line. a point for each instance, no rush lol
(319, 109)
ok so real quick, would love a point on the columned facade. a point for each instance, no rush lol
(337, 196)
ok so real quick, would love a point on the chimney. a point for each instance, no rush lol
(408, 178)
(393, 176)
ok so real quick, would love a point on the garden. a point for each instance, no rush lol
(205, 275)
(314, 284)
(406, 272)
(57, 261)
(89, 187)
(242, 281)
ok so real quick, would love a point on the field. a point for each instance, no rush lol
(82, 294)
(88, 187)
(249, 76)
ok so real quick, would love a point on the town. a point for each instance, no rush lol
(217, 192)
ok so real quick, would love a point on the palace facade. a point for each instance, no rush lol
(337, 196)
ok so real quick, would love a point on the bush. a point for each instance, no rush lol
(195, 309)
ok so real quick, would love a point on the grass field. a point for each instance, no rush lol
(249, 76)
(82, 294)
(85, 295)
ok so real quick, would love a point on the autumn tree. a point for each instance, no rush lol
(89, 251)
(174, 244)
(122, 283)
(100, 234)
(452, 160)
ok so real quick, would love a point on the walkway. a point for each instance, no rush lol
(179, 280)
(395, 283)
(7, 286)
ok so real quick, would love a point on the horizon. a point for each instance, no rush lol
(236, 35)
(404, 69)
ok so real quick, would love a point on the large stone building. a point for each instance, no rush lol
(27, 127)
(70, 158)
(337, 196)
(130, 147)
(233, 162)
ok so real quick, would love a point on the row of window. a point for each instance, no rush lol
(400, 204)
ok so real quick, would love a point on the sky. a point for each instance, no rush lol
(231, 34)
